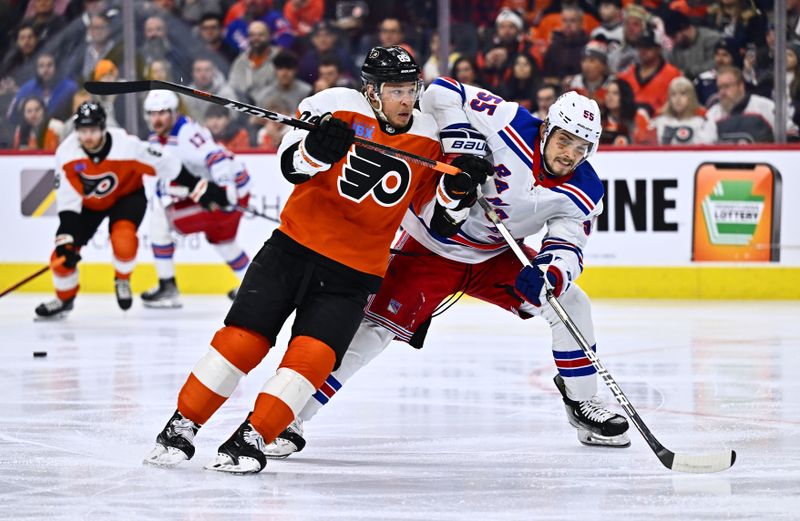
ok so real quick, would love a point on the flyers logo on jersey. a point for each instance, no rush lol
(99, 185)
(368, 172)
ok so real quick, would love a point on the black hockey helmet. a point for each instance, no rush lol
(89, 114)
(389, 64)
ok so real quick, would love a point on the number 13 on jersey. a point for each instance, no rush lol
(485, 101)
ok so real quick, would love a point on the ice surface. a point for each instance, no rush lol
(470, 427)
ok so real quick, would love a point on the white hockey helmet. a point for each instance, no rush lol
(579, 116)
(158, 100)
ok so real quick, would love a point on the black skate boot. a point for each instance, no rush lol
(597, 426)
(288, 442)
(122, 287)
(243, 453)
(175, 443)
(56, 309)
(164, 296)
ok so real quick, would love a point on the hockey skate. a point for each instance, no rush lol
(288, 442)
(56, 309)
(122, 288)
(163, 296)
(243, 453)
(597, 426)
(174, 444)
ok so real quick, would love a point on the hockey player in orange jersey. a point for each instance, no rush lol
(328, 255)
(99, 175)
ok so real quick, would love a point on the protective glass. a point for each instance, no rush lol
(398, 92)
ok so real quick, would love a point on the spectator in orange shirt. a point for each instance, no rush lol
(226, 131)
(35, 131)
(650, 78)
(303, 14)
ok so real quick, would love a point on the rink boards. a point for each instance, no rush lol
(734, 208)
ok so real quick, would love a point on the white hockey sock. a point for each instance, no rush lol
(234, 256)
(163, 255)
(369, 341)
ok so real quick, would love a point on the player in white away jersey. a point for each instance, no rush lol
(210, 171)
(542, 179)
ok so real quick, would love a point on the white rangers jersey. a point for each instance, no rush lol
(523, 195)
(82, 182)
(203, 157)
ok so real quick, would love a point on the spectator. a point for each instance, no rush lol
(522, 85)
(563, 57)
(55, 92)
(36, 131)
(157, 46)
(324, 41)
(112, 104)
(270, 135)
(593, 79)
(741, 117)
(650, 78)
(545, 96)
(726, 53)
(391, 33)
(19, 62)
(635, 23)
(739, 19)
(792, 20)
(99, 44)
(330, 74)
(227, 132)
(758, 66)
(430, 71)
(193, 11)
(466, 71)
(221, 52)
(507, 41)
(793, 80)
(158, 70)
(242, 14)
(207, 78)
(693, 47)
(551, 19)
(623, 122)
(286, 85)
(253, 69)
(303, 15)
(611, 24)
(682, 121)
(46, 23)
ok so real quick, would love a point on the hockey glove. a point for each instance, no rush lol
(460, 191)
(65, 247)
(328, 142)
(210, 195)
(530, 283)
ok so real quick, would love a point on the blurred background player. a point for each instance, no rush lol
(328, 255)
(217, 183)
(99, 175)
(542, 179)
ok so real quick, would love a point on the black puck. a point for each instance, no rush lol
(39, 354)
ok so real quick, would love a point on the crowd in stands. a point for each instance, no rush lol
(668, 72)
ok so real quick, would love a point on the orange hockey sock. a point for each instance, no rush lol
(124, 244)
(65, 280)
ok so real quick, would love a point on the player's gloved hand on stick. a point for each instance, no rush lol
(210, 195)
(460, 191)
(65, 247)
(530, 283)
(329, 141)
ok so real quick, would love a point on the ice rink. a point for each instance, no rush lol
(470, 427)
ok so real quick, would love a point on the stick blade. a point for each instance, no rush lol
(105, 88)
(703, 463)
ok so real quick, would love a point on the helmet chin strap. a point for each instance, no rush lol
(376, 99)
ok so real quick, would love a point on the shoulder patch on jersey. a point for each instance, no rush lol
(584, 188)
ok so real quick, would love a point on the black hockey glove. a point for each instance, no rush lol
(210, 195)
(65, 247)
(462, 188)
(330, 141)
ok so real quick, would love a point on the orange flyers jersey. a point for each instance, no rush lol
(350, 213)
(82, 183)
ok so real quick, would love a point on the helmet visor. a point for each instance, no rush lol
(398, 92)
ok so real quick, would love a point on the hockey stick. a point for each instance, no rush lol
(58, 262)
(103, 88)
(256, 213)
(699, 463)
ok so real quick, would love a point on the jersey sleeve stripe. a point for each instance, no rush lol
(453, 85)
(520, 142)
(526, 160)
(575, 199)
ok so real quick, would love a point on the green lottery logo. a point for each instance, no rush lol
(732, 212)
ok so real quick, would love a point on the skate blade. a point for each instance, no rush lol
(53, 318)
(593, 439)
(165, 457)
(224, 463)
(166, 304)
(280, 449)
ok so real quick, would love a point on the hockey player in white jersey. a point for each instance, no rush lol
(542, 179)
(99, 174)
(211, 171)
